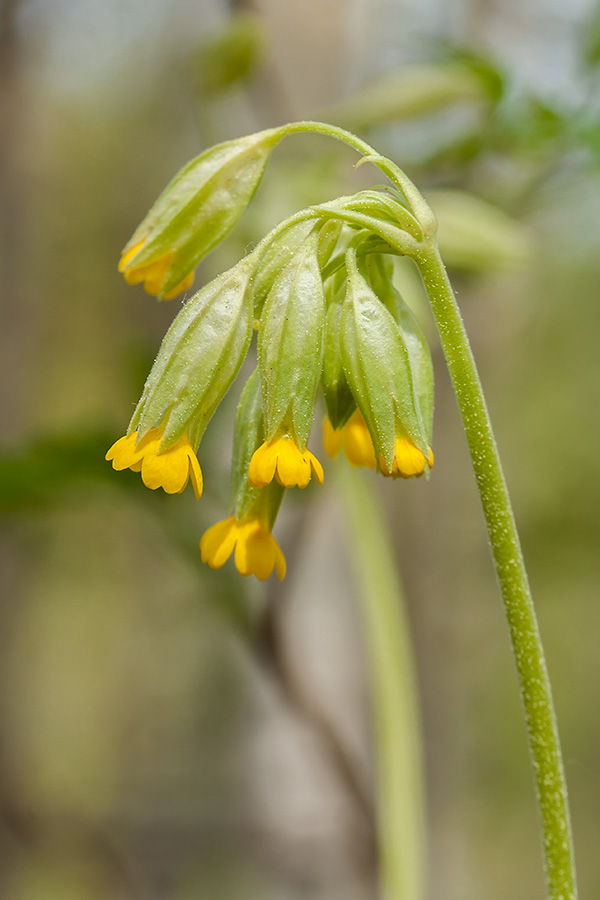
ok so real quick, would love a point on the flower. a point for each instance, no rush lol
(353, 438)
(256, 550)
(282, 458)
(408, 460)
(152, 273)
(168, 469)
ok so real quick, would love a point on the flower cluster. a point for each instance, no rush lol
(319, 291)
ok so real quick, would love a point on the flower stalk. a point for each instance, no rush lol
(534, 683)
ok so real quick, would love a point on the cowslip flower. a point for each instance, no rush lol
(169, 469)
(388, 369)
(151, 273)
(408, 461)
(197, 209)
(353, 438)
(256, 550)
(281, 458)
(290, 356)
(248, 530)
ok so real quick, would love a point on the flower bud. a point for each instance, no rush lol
(378, 271)
(290, 346)
(248, 531)
(275, 257)
(195, 212)
(199, 358)
(378, 367)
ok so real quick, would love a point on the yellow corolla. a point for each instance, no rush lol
(151, 273)
(282, 458)
(353, 438)
(408, 460)
(256, 550)
(169, 469)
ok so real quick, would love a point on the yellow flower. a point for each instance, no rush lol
(408, 460)
(353, 438)
(168, 469)
(151, 273)
(282, 458)
(256, 550)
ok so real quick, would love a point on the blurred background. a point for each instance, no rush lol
(172, 733)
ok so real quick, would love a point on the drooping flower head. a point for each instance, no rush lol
(319, 292)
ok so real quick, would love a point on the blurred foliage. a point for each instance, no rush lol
(170, 732)
(230, 57)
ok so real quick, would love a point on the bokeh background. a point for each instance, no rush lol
(171, 733)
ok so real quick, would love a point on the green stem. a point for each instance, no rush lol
(400, 807)
(534, 683)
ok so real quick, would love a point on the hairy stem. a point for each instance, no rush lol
(400, 806)
(527, 647)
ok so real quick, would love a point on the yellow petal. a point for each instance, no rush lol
(332, 439)
(292, 467)
(217, 543)
(261, 470)
(408, 460)
(168, 470)
(316, 466)
(183, 286)
(358, 446)
(128, 256)
(257, 552)
(195, 474)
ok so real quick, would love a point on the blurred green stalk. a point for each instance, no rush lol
(400, 806)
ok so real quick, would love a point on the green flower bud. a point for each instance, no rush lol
(378, 367)
(195, 212)
(290, 346)
(329, 236)
(275, 257)
(378, 271)
(199, 358)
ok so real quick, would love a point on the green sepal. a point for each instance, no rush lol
(248, 436)
(275, 257)
(421, 364)
(290, 345)
(378, 271)
(384, 207)
(199, 358)
(337, 394)
(329, 236)
(201, 205)
(378, 368)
